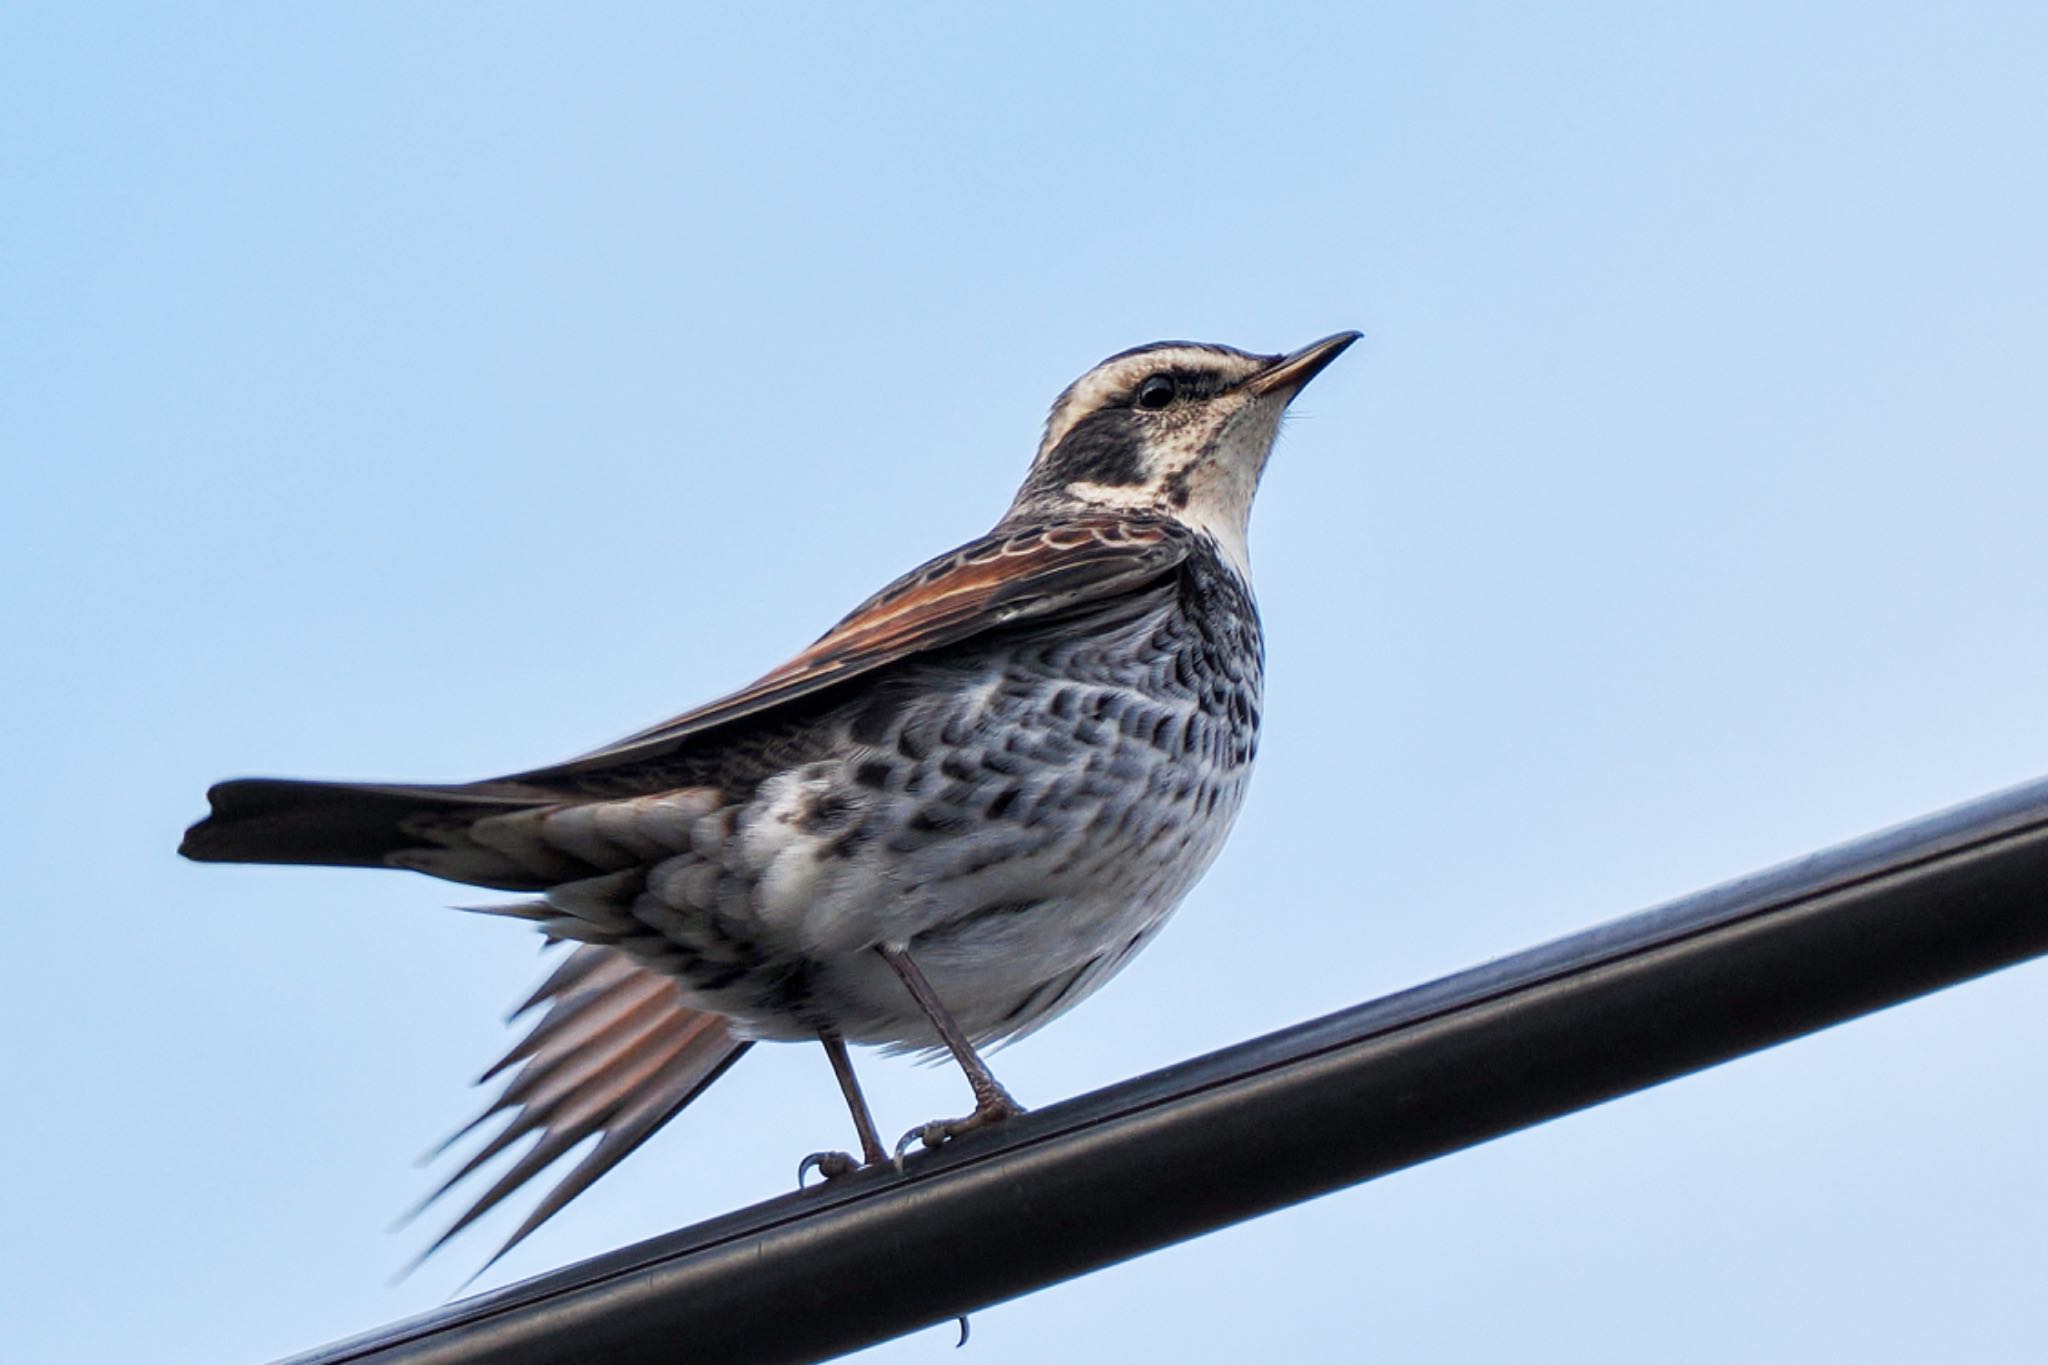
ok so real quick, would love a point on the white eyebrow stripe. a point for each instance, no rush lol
(1094, 389)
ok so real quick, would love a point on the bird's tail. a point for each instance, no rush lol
(617, 1053)
(364, 824)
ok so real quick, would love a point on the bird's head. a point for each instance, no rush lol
(1176, 429)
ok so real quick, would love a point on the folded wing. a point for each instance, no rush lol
(1008, 577)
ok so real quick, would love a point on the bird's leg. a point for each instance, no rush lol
(830, 1164)
(856, 1103)
(992, 1103)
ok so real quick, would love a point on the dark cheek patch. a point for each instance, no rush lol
(1104, 448)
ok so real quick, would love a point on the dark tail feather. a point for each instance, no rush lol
(351, 824)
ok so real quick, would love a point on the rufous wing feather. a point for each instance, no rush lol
(1007, 577)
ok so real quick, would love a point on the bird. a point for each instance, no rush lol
(947, 821)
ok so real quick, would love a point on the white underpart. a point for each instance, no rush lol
(1219, 523)
(1230, 538)
(787, 861)
(1132, 498)
(1226, 481)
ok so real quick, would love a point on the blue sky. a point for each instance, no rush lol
(423, 393)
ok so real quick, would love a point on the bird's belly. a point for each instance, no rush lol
(1018, 888)
(1002, 967)
(1021, 820)
(1008, 952)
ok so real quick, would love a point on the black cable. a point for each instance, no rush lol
(1283, 1118)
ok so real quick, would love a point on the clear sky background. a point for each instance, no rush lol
(423, 392)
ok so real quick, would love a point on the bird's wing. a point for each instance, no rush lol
(1012, 575)
(616, 1054)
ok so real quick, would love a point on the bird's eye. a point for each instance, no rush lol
(1156, 392)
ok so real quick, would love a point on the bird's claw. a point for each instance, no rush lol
(930, 1134)
(830, 1165)
(939, 1132)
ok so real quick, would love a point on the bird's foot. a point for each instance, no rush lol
(830, 1165)
(993, 1108)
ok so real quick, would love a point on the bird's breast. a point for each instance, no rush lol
(1022, 812)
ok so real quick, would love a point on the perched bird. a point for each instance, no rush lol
(951, 818)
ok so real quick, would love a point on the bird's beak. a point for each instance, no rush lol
(1291, 372)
